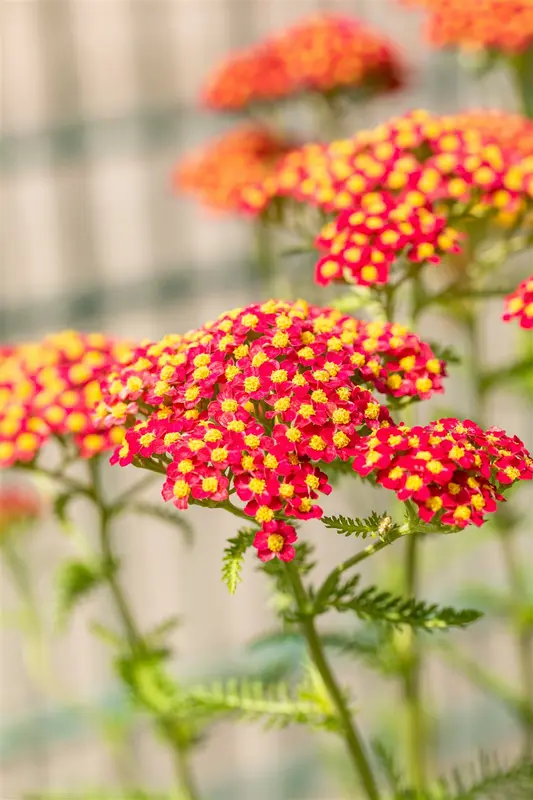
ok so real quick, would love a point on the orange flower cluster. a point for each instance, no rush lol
(324, 53)
(52, 387)
(519, 304)
(510, 131)
(501, 25)
(432, 165)
(220, 172)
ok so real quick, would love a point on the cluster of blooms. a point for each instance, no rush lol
(519, 304)
(323, 53)
(512, 131)
(19, 503)
(453, 470)
(499, 25)
(248, 405)
(52, 387)
(427, 163)
(362, 245)
(221, 171)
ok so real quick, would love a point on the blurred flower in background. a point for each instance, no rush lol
(324, 53)
(223, 173)
(20, 505)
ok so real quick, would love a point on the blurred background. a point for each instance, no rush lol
(99, 101)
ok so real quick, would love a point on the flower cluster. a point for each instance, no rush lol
(249, 404)
(500, 25)
(324, 53)
(512, 131)
(439, 167)
(19, 503)
(519, 304)
(219, 173)
(453, 471)
(362, 245)
(52, 387)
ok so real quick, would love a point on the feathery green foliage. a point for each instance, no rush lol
(234, 556)
(378, 525)
(382, 606)
(277, 705)
(77, 579)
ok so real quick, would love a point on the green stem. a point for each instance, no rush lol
(416, 734)
(349, 730)
(515, 577)
(265, 258)
(522, 67)
(135, 639)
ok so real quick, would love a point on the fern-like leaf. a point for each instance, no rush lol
(234, 556)
(378, 525)
(488, 780)
(276, 705)
(373, 604)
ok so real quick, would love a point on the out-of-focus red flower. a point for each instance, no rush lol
(452, 470)
(324, 53)
(221, 172)
(499, 25)
(519, 304)
(511, 131)
(19, 504)
(52, 387)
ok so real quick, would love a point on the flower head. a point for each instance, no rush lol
(452, 470)
(498, 25)
(219, 173)
(519, 304)
(394, 188)
(19, 504)
(323, 53)
(275, 540)
(52, 387)
(253, 403)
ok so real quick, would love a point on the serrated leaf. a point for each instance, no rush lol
(275, 705)
(233, 557)
(488, 780)
(384, 607)
(377, 525)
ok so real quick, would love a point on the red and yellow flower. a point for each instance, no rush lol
(519, 304)
(51, 388)
(454, 471)
(253, 403)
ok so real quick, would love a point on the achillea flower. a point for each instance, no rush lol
(275, 540)
(19, 504)
(425, 169)
(362, 245)
(512, 131)
(221, 172)
(519, 304)
(324, 53)
(52, 387)
(452, 470)
(254, 402)
(497, 25)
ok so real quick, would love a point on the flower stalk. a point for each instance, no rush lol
(348, 729)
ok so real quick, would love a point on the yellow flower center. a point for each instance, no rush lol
(275, 542)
